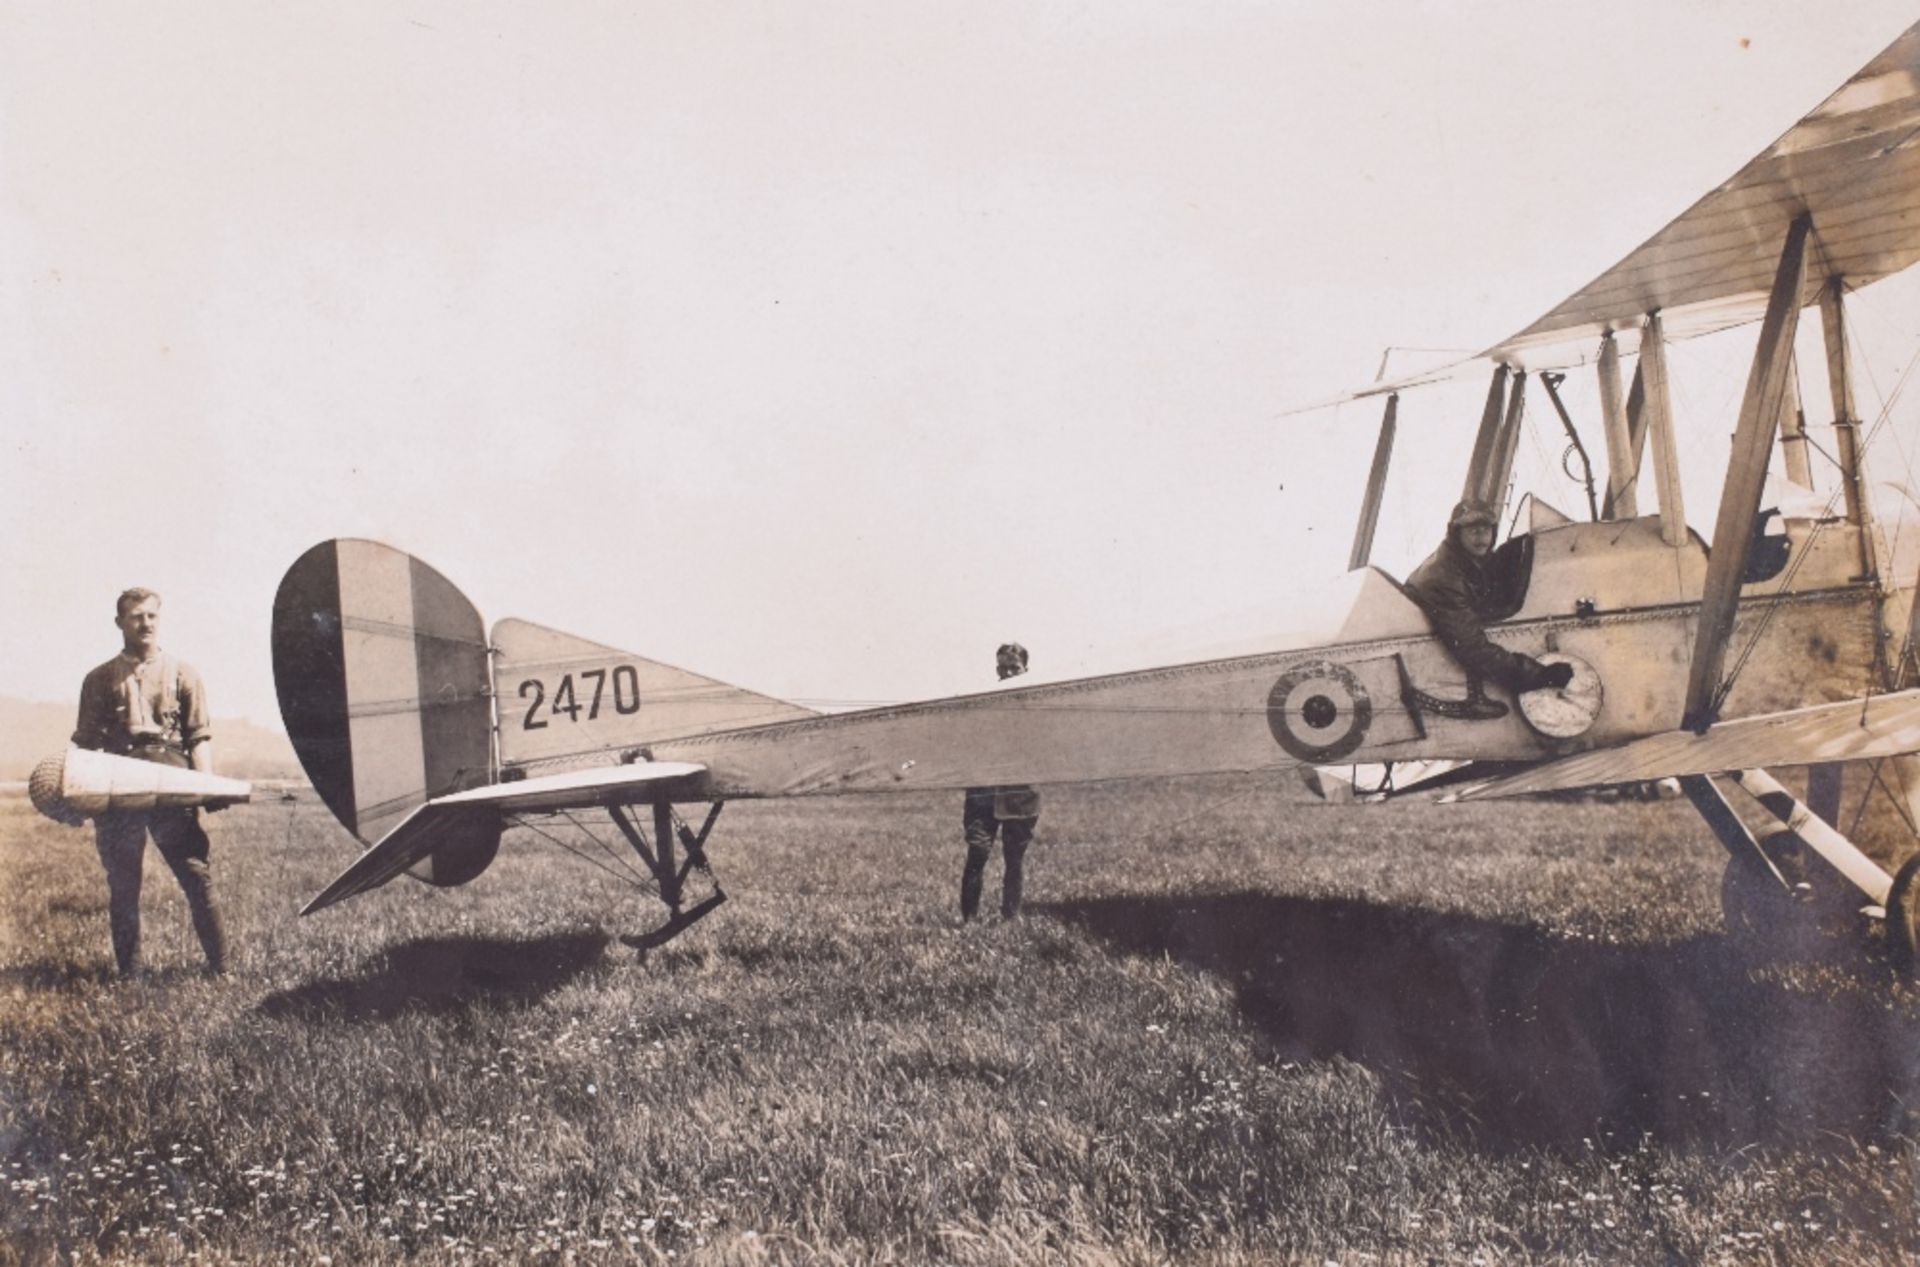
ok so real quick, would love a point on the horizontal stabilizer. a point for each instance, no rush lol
(576, 789)
(1851, 730)
(421, 832)
(444, 819)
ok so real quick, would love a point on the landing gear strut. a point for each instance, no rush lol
(1903, 917)
(1780, 895)
(671, 877)
(1803, 881)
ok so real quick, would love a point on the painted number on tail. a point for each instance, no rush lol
(571, 701)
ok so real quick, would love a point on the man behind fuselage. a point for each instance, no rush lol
(1010, 812)
(1464, 586)
(145, 704)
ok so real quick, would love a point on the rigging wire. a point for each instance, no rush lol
(1866, 442)
(589, 859)
(1536, 450)
(1878, 780)
(1886, 405)
(1773, 605)
(623, 857)
(1774, 602)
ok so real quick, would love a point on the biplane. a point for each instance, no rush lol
(1786, 640)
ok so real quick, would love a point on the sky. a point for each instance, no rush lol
(820, 347)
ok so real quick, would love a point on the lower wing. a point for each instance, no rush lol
(1852, 730)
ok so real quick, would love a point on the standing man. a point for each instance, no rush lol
(1011, 812)
(143, 703)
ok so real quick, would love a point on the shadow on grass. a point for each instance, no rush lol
(1514, 1039)
(54, 975)
(444, 974)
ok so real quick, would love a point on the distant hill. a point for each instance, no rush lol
(31, 730)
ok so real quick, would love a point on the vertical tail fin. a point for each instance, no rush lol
(382, 668)
(380, 664)
(562, 696)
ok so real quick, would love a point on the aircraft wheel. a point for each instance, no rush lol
(1766, 920)
(1903, 917)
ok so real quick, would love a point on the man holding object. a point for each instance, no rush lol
(145, 704)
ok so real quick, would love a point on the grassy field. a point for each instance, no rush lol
(1232, 1028)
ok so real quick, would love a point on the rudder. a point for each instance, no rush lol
(380, 664)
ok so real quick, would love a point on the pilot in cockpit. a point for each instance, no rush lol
(1466, 585)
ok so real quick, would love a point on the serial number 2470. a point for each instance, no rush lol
(568, 702)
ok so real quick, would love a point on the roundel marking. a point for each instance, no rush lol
(1319, 712)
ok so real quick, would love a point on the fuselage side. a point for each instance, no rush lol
(1613, 594)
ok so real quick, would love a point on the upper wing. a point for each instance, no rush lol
(431, 825)
(1853, 164)
(1851, 730)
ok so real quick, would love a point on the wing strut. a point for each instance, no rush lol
(1376, 487)
(1846, 423)
(1793, 431)
(1746, 474)
(1727, 827)
(1659, 431)
(1623, 455)
(1486, 440)
(1501, 474)
(1636, 441)
(1866, 874)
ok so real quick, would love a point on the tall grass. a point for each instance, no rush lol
(1231, 1028)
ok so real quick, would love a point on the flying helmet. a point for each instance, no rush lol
(1473, 512)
